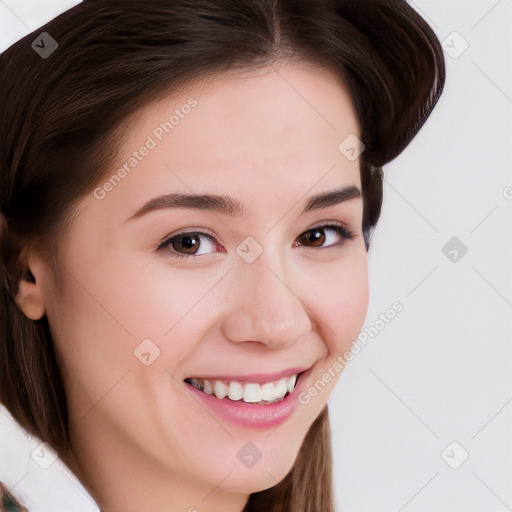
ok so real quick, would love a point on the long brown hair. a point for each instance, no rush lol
(62, 124)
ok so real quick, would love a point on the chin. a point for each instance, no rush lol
(260, 477)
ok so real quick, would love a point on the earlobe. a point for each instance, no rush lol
(30, 297)
(30, 300)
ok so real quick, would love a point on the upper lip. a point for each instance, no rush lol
(258, 378)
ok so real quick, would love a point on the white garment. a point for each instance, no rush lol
(35, 476)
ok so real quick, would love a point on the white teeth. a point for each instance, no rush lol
(268, 391)
(291, 383)
(235, 390)
(220, 389)
(252, 393)
(207, 387)
(281, 387)
(248, 392)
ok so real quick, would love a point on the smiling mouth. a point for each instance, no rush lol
(248, 392)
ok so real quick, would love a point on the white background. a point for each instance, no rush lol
(440, 372)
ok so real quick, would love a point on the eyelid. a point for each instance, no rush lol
(327, 223)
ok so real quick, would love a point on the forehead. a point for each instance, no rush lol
(269, 133)
(288, 99)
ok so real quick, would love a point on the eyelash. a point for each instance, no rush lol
(164, 244)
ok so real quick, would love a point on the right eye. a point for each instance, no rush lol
(188, 241)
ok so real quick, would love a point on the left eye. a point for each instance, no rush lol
(188, 244)
(316, 237)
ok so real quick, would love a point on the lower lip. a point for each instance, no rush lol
(253, 415)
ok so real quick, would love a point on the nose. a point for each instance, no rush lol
(263, 306)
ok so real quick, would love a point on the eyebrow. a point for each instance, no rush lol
(230, 206)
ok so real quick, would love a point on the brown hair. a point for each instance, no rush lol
(62, 125)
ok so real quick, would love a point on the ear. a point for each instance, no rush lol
(30, 296)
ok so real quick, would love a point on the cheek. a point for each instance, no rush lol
(163, 299)
(343, 302)
(341, 307)
(94, 349)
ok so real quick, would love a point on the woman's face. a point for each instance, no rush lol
(261, 293)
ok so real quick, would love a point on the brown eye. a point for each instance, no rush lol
(183, 245)
(316, 237)
(188, 243)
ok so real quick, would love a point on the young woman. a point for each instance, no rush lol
(188, 190)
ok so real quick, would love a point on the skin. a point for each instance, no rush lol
(138, 435)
